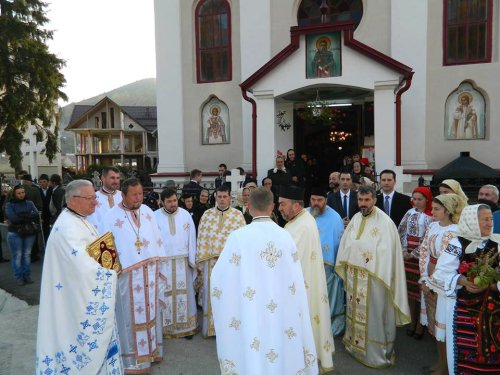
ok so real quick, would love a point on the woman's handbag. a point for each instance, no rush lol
(27, 229)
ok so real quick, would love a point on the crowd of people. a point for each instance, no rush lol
(347, 261)
(29, 210)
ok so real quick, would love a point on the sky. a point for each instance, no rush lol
(105, 43)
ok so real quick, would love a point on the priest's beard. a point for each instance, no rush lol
(333, 186)
(317, 211)
(365, 211)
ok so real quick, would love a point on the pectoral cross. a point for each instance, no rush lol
(138, 244)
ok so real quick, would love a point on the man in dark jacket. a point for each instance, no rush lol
(46, 195)
(389, 200)
(193, 187)
(344, 201)
(57, 202)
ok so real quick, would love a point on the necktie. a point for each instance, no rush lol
(345, 206)
(387, 208)
(111, 200)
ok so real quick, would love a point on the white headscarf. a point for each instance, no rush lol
(468, 228)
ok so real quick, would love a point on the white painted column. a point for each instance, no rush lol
(284, 139)
(33, 151)
(255, 45)
(266, 139)
(169, 86)
(385, 127)
(409, 32)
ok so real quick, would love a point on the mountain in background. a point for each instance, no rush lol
(138, 93)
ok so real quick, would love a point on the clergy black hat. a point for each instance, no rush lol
(27, 177)
(318, 190)
(292, 192)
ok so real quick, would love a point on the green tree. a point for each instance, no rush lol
(30, 78)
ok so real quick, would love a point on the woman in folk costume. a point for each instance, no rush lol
(473, 340)
(453, 187)
(411, 231)
(446, 209)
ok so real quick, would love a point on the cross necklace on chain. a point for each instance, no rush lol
(138, 243)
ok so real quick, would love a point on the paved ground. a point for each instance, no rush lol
(18, 320)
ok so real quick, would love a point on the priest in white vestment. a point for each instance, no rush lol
(215, 225)
(142, 283)
(76, 324)
(259, 300)
(178, 232)
(302, 226)
(108, 195)
(370, 262)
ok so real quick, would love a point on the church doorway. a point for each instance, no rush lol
(332, 128)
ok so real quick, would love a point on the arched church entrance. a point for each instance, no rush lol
(331, 123)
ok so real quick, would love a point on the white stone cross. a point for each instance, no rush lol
(235, 180)
(96, 179)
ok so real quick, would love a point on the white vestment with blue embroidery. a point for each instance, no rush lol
(76, 323)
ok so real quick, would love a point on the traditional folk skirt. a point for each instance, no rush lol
(412, 270)
(430, 299)
(476, 333)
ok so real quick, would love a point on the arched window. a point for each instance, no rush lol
(310, 11)
(467, 31)
(213, 41)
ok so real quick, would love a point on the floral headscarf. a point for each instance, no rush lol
(453, 204)
(426, 192)
(457, 189)
(468, 228)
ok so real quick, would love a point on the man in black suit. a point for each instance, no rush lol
(279, 175)
(344, 201)
(193, 187)
(390, 201)
(57, 203)
(46, 194)
(221, 179)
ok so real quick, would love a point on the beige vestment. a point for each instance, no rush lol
(305, 233)
(370, 261)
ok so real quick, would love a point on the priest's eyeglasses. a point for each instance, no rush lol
(92, 198)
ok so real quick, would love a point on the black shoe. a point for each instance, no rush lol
(190, 337)
(2, 260)
(418, 336)
(29, 280)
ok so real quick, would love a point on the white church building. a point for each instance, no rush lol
(408, 83)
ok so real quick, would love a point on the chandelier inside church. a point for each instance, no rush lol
(339, 136)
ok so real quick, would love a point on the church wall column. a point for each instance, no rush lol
(385, 128)
(169, 86)
(266, 139)
(409, 25)
(255, 45)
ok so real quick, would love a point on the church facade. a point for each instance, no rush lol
(407, 84)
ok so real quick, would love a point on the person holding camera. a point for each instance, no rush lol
(23, 217)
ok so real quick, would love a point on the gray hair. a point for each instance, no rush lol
(73, 188)
(491, 187)
(367, 189)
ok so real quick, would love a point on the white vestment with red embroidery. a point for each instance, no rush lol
(178, 232)
(103, 206)
(141, 285)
